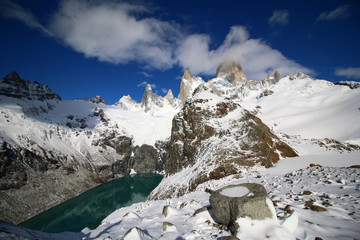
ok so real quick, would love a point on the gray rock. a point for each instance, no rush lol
(146, 158)
(228, 209)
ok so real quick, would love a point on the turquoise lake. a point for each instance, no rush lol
(91, 207)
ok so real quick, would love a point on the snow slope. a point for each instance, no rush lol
(309, 108)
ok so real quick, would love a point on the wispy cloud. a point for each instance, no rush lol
(145, 74)
(350, 72)
(338, 13)
(279, 17)
(256, 57)
(145, 83)
(9, 9)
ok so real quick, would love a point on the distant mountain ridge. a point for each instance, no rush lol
(60, 148)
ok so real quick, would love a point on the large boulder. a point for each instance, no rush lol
(239, 201)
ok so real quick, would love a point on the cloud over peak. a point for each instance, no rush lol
(119, 33)
(255, 56)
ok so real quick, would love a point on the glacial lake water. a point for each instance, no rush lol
(91, 207)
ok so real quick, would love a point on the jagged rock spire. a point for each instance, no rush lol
(188, 84)
(232, 72)
(187, 74)
(150, 99)
(169, 95)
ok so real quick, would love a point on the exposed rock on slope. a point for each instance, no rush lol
(96, 99)
(213, 137)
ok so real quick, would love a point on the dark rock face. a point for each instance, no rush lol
(13, 86)
(350, 84)
(145, 159)
(229, 207)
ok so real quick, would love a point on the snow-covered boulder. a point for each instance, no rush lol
(243, 200)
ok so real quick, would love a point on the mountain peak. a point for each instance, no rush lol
(13, 76)
(148, 87)
(169, 95)
(187, 74)
(232, 72)
(13, 86)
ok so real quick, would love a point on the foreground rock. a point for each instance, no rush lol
(240, 201)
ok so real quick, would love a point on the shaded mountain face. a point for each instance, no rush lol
(13, 86)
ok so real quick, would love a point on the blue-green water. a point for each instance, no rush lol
(92, 206)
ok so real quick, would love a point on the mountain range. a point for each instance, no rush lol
(214, 129)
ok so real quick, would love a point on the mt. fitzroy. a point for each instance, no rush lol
(60, 148)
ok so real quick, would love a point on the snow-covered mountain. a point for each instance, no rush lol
(216, 131)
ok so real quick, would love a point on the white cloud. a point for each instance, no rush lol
(338, 13)
(351, 72)
(109, 31)
(13, 10)
(145, 83)
(280, 17)
(255, 56)
(164, 90)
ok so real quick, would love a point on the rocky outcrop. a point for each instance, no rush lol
(232, 72)
(350, 84)
(96, 99)
(240, 201)
(299, 75)
(13, 86)
(274, 77)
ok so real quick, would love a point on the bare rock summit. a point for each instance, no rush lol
(232, 72)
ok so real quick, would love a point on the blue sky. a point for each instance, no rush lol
(83, 48)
